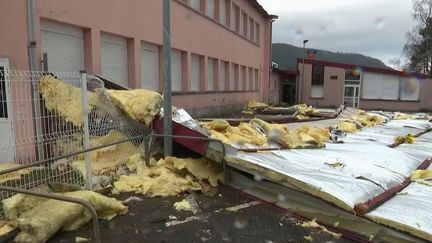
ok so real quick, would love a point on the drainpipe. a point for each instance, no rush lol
(168, 143)
(272, 19)
(34, 84)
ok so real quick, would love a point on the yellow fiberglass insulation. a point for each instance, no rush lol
(421, 174)
(252, 105)
(139, 104)
(41, 221)
(347, 126)
(167, 177)
(367, 120)
(16, 175)
(245, 133)
(409, 139)
(248, 133)
(62, 98)
(305, 110)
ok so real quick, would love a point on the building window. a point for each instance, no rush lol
(235, 18)
(150, 66)
(317, 81)
(223, 12)
(380, 86)
(211, 62)
(252, 29)
(250, 82)
(196, 4)
(257, 33)
(176, 70)
(242, 23)
(222, 75)
(245, 24)
(410, 89)
(196, 73)
(256, 80)
(352, 75)
(210, 8)
(232, 78)
(242, 78)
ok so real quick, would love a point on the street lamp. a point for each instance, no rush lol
(300, 86)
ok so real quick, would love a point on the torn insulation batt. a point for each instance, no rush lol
(39, 219)
(139, 104)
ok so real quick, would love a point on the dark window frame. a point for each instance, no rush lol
(317, 75)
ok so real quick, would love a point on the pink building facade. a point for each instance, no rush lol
(220, 48)
(328, 84)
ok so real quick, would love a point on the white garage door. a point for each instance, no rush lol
(114, 59)
(64, 45)
(150, 66)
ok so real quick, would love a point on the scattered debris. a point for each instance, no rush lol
(81, 239)
(183, 205)
(336, 165)
(336, 224)
(133, 198)
(308, 238)
(314, 224)
(242, 206)
(188, 219)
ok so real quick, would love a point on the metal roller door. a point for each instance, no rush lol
(114, 59)
(64, 45)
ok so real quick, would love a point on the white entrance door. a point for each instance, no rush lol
(352, 95)
(7, 154)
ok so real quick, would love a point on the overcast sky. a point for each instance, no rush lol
(372, 27)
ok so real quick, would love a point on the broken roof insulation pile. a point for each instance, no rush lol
(16, 175)
(260, 133)
(66, 100)
(39, 219)
(62, 98)
(168, 177)
(360, 120)
(139, 104)
(344, 174)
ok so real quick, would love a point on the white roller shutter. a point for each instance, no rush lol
(222, 75)
(196, 73)
(150, 66)
(222, 11)
(241, 83)
(114, 59)
(210, 8)
(371, 86)
(380, 86)
(64, 45)
(389, 87)
(176, 71)
(232, 77)
(210, 74)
